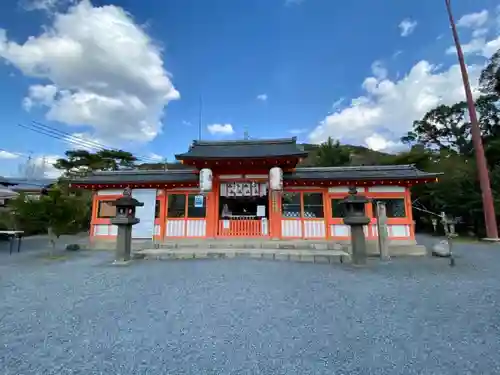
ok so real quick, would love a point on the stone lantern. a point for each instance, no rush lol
(124, 219)
(356, 218)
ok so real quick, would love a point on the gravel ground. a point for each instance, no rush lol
(408, 316)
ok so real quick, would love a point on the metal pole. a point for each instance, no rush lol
(200, 119)
(484, 179)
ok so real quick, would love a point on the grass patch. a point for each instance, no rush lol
(54, 257)
(465, 239)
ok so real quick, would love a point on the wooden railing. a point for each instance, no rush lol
(243, 226)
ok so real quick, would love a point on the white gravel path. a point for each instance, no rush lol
(410, 316)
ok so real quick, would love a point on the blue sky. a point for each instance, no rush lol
(130, 73)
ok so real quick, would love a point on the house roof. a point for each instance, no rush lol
(27, 184)
(137, 177)
(371, 172)
(362, 173)
(6, 181)
(260, 148)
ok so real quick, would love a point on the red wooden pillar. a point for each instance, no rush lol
(275, 214)
(212, 202)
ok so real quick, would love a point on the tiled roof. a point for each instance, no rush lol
(27, 184)
(243, 149)
(5, 181)
(384, 172)
(371, 172)
(138, 176)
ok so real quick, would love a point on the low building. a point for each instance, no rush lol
(240, 203)
(32, 188)
(6, 191)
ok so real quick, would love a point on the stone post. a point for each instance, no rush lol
(123, 243)
(358, 242)
(124, 220)
(383, 235)
(356, 218)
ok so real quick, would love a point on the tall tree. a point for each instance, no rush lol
(331, 153)
(448, 127)
(444, 127)
(81, 162)
(489, 81)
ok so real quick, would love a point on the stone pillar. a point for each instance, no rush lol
(356, 218)
(358, 245)
(123, 243)
(124, 220)
(383, 235)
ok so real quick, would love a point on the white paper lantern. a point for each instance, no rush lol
(206, 180)
(276, 179)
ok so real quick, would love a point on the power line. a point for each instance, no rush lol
(87, 143)
(92, 144)
(75, 140)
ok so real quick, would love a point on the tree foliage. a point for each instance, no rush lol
(330, 154)
(441, 142)
(57, 211)
(489, 81)
(82, 162)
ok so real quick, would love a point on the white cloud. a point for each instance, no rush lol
(378, 142)
(40, 167)
(155, 157)
(8, 155)
(293, 2)
(478, 44)
(187, 123)
(407, 27)
(107, 71)
(262, 97)
(337, 103)
(297, 131)
(378, 70)
(390, 107)
(84, 141)
(396, 54)
(222, 129)
(47, 5)
(46, 163)
(40, 95)
(473, 20)
(479, 32)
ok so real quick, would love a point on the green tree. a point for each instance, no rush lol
(489, 81)
(82, 162)
(331, 154)
(444, 127)
(55, 214)
(449, 128)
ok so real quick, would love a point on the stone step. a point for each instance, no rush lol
(323, 256)
(249, 244)
(372, 247)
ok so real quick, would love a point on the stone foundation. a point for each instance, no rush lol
(396, 248)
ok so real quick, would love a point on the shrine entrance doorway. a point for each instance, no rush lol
(243, 210)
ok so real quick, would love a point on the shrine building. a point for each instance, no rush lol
(254, 189)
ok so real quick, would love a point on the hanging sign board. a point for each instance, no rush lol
(243, 189)
(198, 201)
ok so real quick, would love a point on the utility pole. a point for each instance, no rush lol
(484, 179)
(200, 119)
